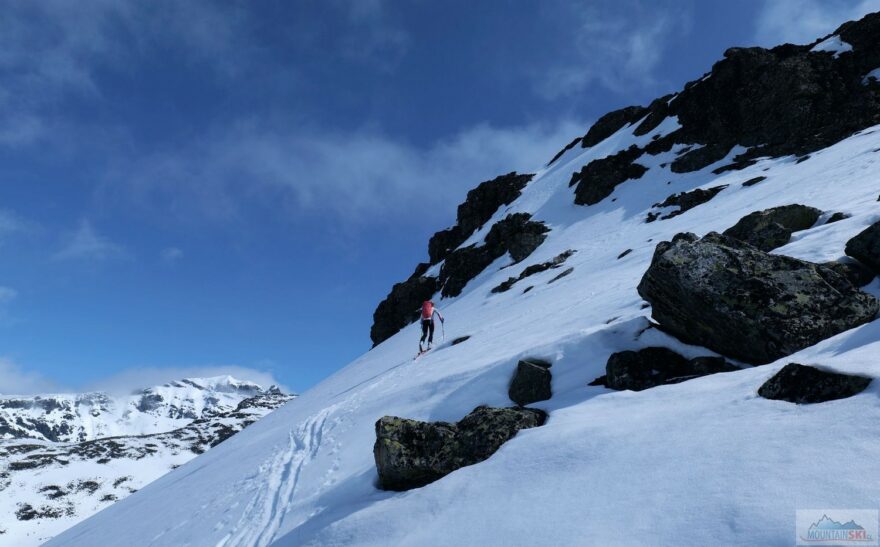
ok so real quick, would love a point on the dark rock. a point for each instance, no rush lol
(555, 262)
(699, 158)
(568, 147)
(560, 276)
(865, 247)
(624, 253)
(658, 110)
(685, 201)
(837, 217)
(739, 301)
(754, 181)
(400, 307)
(600, 381)
(855, 272)
(462, 265)
(411, 453)
(530, 383)
(772, 228)
(611, 123)
(459, 340)
(650, 367)
(516, 234)
(805, 384)
(597, 179)
(481, 203)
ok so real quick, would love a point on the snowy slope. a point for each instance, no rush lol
(47, 487)
(703, 462)
(88, 416)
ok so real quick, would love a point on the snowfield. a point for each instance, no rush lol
(703, 462)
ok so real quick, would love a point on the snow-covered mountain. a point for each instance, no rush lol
(73, 455)
(89, 416)
(678, 412)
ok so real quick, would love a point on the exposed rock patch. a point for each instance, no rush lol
(855, 272)
(772, 228)
(651, 367)
(516, 234)
(739, 301)
(554, 263)
(754, 181)
(568, 271)
(412, 453)
(685, 201)
(805, 384)
(531, 382)
(600, 177)
(865, 247)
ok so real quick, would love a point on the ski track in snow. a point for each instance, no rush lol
(276, 483)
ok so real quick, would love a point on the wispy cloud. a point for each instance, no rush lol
(86, 244)
(356, 177)
(14, 380)
(10, 223)
(171, 254)
(7, 294)
(802, 21)
(616, 46)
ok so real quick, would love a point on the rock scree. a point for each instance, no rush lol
(412, 453)
(803, 384)
(734, 299)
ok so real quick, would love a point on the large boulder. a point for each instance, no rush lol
(742, 302)
(412, 453)
(596, 180)
(651, 367)
(804, 384)
(400, 307)
(772, 228)
(865, 247)
(530, 382)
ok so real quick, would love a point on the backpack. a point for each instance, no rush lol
(427, 310)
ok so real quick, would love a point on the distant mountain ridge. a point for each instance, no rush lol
(89, 416)
(67, 456)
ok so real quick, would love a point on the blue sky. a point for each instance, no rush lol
(193, 188)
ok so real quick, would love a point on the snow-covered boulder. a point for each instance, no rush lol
(651, 367)
(728, 296)
(411, 453)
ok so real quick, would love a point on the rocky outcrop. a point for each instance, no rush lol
(772, 228)
(728, 296)
(788, 100)
(865, 247)
(554, 263)
(475, 211)
(412, 453)
(401, 306)
(600, 177)
(685, 201)
(530, 382)
(805, 384)
(655, 366)
(516, 234)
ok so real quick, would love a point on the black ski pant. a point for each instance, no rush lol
(427, 331)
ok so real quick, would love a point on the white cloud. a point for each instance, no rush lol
(803, 21)
(617, 46)
(171, 254)
(86, 244)
(14, 380)
(355, 177)
(132, 379)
